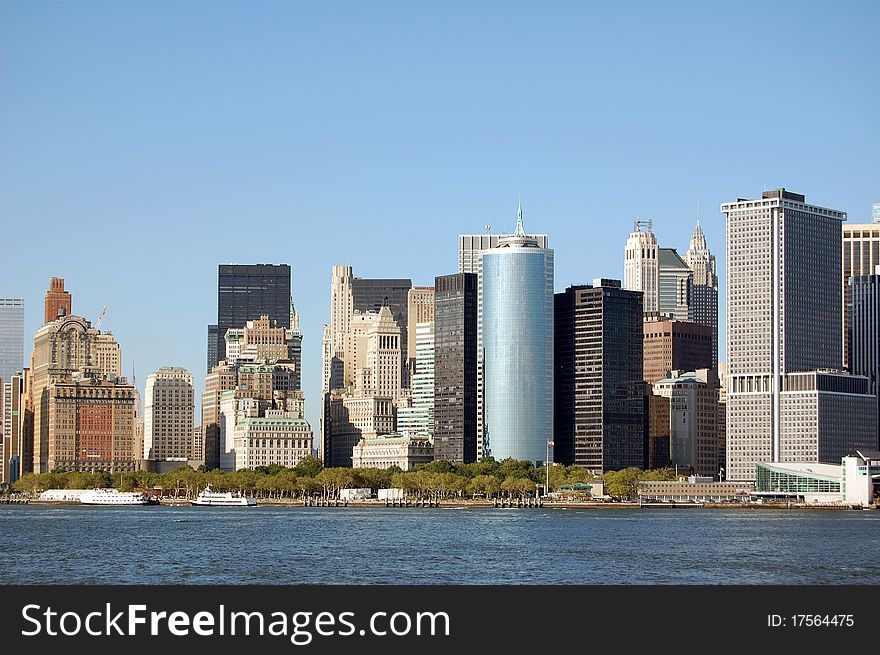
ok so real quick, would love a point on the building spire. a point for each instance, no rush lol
(519, 232)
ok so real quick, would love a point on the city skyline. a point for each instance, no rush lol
(174, 184)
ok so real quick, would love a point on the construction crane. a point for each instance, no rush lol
(100, 318)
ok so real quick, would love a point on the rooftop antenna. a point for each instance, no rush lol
(488, 228)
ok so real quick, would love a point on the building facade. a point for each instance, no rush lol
(518, 342)
(277, 437)
(107, 355)
(90, 425)
(599, 413)
(641, 267)
(11, 337)
(385, 451)
(57, 302)
(246, 292)
(674, 345)
(704, 292)
(861, 256)
(784, 264)
(455, 368)
(352, 418)
(864, 341)
(675, 284)
(693, 419)
(470, 260)
(168, 415)
(418, 418)
(419, 309)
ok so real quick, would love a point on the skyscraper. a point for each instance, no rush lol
(168, 414)
(470, 260)
(641, 266)
(704, 292)
(861, 254)
(455, 367)
(244, 293)
(518, 342)
(11, 337)
(783, 279)
(373, 294)
(599, 413)
(865, 330)
(417, 420)
(57, 301)
(420, 309)
(675, 280)
(674, 345)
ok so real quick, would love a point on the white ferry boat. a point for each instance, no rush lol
(114, 497)
(209, 498)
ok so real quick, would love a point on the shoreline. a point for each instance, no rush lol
(298, 504)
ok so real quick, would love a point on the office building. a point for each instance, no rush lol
(674, 345)
(213, 341)
(168, 415)
(57, 301)
(11, 337)
(470, 260)
(599, 409)
(784, 264)
(18, 427)
(370, 295)
(107, 355)
(693, 419)
(861, 256)
(352, 418)
(221, 379)
(419, 309)
(865, 331)
(659, 430)
(245, 292)
(417, 419)
(704, 292)
(455, 367)
(62, 348)
(277, 437)
(518, 342)
(641, 267)
(91, 425)
(675, 280)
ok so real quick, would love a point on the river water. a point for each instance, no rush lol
(293, 545)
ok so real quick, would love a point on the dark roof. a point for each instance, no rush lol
(669, 258)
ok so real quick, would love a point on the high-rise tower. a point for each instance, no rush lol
(787, 398)
(641, 267)
(518, 342)
(704, 292)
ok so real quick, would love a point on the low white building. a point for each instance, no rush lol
(355, 494)
(851, 482)
(387, 450)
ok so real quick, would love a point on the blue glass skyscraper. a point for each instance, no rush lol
(518, 343)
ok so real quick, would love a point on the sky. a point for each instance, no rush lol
(143, 144)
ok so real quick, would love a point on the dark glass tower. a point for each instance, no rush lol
(247, 291)
(455, 367)
(598, 401)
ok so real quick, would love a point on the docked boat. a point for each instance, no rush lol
(115, 497)
(209, 498)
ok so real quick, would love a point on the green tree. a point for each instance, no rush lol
(309, 466)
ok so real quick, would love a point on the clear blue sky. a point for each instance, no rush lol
(141, 144)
